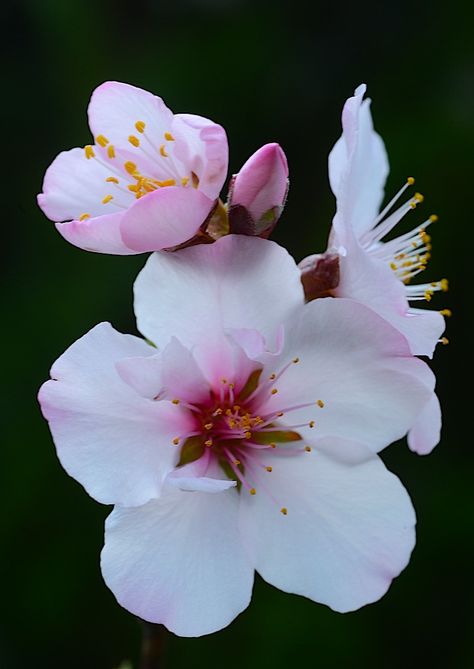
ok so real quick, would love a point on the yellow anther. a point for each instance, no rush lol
(83, 217)
(89, 151)
(295, 360)
(208, 442)
(410, 181)
(184, 181)
(163, 151)
(280, 414)
(169, 137)
(393, 266)
(130, 167)
(236, 407)
(284, 510)
(100, 139)
(272, 377)
(175, 401)
(237, 462)
(269, 469)
(232, 386)
(176, 441)
(111, 151)
(208, 426)
(307, 449)
(252, 491)
(273, 391)
(311, 423)
(134, 140)
(248, 435)
(400, 256)
(112, 180)
(444, 341)
(320, 403)
(231, 424)
(140, 126)
(444, 285)
(428, 295)
(418, 197)
(446, 312)
(167, 182)
(272, 445)
(217, 412)
(107, 199)
(433, 218)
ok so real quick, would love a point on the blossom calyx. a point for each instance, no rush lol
(258, 192)
(319, 275)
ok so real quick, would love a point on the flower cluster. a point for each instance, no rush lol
(241, 433)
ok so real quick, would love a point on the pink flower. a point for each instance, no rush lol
(258, 192)
(371, 271)
(149, 182)
(246, 441)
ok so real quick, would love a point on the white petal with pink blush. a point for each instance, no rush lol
(252, 398)
(141, 152)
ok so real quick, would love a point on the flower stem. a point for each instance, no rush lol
(153, 646)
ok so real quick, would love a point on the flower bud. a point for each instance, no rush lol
(258, 192)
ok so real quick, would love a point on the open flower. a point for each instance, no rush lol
(246, 441)
(360, 265)
(148, 182)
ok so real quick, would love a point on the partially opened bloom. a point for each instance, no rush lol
(148, 182)
(258, 192)
(368, 269)
(247, 440)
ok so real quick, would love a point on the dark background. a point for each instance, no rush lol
(267, 71)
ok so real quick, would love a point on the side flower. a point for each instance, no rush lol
(148, 182)
(246, 441)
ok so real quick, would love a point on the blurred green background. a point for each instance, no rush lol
(267, 71)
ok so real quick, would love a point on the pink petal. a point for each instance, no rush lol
(425, 433)
(237, 282)
(164, 218)
(117, 444)
(358, 165)
(349, 529)
(179, 561)
(101, 234)
(201, 146)
(116, 107)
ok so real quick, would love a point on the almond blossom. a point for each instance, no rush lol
(246, 441)
(372, 271)
(148, 182)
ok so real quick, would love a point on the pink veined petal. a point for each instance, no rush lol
(164, 218)
(100, 234)
(117, 444)
(74, 185)
(143, 374)
(254, 343)
(201, 145)
(373, 283)
(178, 561)
(425, 433)
(358, 365)
(349, 528)
(237, 282)
(358, 165)
(116, 107)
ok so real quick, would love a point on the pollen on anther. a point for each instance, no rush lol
(163, 151)
(273, 391)
(169, 137)
(107, 199)
(89, 152)
(184, 181)
(100, 139)
(410, 181)
(307, 449)
(134, 140)
(433, 218)
(295, 360)
(130, 167)
(320, 403)
(176, 441)
(444, 341)
(272, 445)
(444, 285)
(311, 423)
(175, 401)
(112, 180)
(272, 377)
(284, 510)
(269, 469)
(83, 217)
(208, 442)
(140, 126)
(252, 491)
(111, 151)
(248, 435)
(446, 312)
(208, 426)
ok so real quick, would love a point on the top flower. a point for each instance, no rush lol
(178, 161)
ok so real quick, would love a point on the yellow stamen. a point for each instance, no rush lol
(112, 180)
(428, 295)
(252, 491)
(446, 312)
(273, 391)
(111, 151)
(444, 285)
(307, 449)
(208, 442)
(320, 403)
(175, 401)
(184, 181)
(163, 151)
(273, 445)
(433, 218)
(176, 441)
(140, 126)
(89, 151)
(100, 139)
(237, 462)
(83, 217)
(272, 377)
(284, 510)
(393, 266)
(168, 182)
(312, 423)
(208, 426)
(418, 197)
(107, 199)
(444, 341)
(269, 469)
(410, 181)
(248, 435)
(130, 167)
(134, 140)
(169, 137)
(295, 360)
